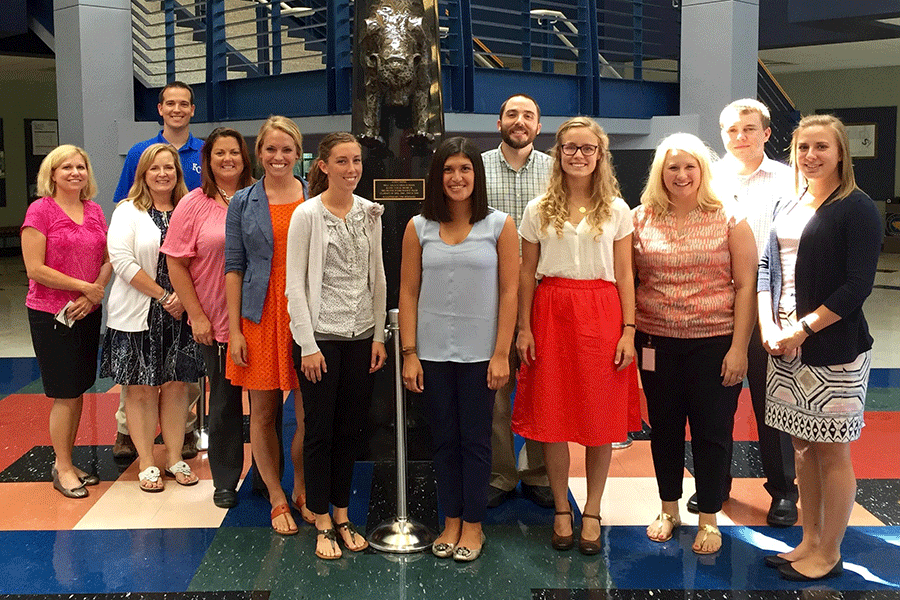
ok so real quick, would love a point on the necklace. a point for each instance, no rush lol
(582, 209)
(225, 197)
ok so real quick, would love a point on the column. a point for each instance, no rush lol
(94, 82)
(719, 48)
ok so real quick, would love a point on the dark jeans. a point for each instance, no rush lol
(460, 409)
(339, 398)
(686, 387)
(226, 423)
(775, 447)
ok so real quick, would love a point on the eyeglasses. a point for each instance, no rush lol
(586, 149)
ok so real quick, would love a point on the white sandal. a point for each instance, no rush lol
(182, 468)
(149, 475)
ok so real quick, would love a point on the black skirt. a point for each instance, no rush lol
(66, 356)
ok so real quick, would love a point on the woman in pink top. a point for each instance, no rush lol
(696, 264)
(195, 249)
(64, 247)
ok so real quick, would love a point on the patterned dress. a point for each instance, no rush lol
(164, 352)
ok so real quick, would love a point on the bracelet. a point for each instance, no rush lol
(806, 327)
(408, 350)
(162, 299)
(632, 325)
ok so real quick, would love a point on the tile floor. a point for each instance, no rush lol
(121, 543)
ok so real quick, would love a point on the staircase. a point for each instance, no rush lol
(785, 115)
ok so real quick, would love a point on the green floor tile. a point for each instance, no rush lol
(883, 399)
(518, 560)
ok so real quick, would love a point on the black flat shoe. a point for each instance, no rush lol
(75, 492)
(224, 498)
(788, 572)
(539, 494)
(496, 496)
(774, 561)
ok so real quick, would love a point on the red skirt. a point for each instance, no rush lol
(572, 391)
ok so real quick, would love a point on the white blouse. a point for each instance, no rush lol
(579, 253)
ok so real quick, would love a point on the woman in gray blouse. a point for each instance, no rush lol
(336, 291)
(458, 287)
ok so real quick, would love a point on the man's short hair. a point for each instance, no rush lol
(745, 106)
(527, 97)
(176, 84)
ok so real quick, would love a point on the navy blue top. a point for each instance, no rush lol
(190, 163)
(836, 262)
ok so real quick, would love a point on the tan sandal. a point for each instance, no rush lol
(662, 517)
(707, 531)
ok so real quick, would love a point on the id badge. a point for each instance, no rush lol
(648, 358)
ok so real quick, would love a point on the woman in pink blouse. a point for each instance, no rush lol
(195, 250)
(696, 266)
(64, 247)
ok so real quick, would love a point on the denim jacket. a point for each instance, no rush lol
(249, 245)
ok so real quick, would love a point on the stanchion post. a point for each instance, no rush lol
(401, 534)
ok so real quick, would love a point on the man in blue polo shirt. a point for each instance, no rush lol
(176, 107)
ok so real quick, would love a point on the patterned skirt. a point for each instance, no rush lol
(818, 404)
(164, 352)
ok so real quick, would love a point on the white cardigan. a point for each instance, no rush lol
(307, 242)
(133, 244)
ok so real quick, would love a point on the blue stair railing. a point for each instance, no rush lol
(596, 57)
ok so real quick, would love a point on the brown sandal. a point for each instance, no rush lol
(589, 547)
(282, 509)
(563, 542)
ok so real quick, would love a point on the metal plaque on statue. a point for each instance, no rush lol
(398, 189)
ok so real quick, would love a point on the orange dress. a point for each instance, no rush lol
(270, 364)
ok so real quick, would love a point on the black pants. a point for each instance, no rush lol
(775, 447)
(333, 406)
(226, 423)
(686, 387)
(460, 411)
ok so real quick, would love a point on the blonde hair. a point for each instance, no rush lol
(553, 207)
(845, 166)
(139, 194)
(746, 106)
(45, 184)
(655, 195)
(283, 124)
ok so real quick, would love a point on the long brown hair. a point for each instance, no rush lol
(318, 180)
(210, 188)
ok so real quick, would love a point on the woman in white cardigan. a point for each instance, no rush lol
(149, 345)
(336, 292)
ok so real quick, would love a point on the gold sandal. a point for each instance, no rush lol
(708, 530)
(664, 516)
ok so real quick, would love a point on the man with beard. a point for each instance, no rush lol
(516, 173)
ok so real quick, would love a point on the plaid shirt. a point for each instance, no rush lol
(756, 194)
(508, 190)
